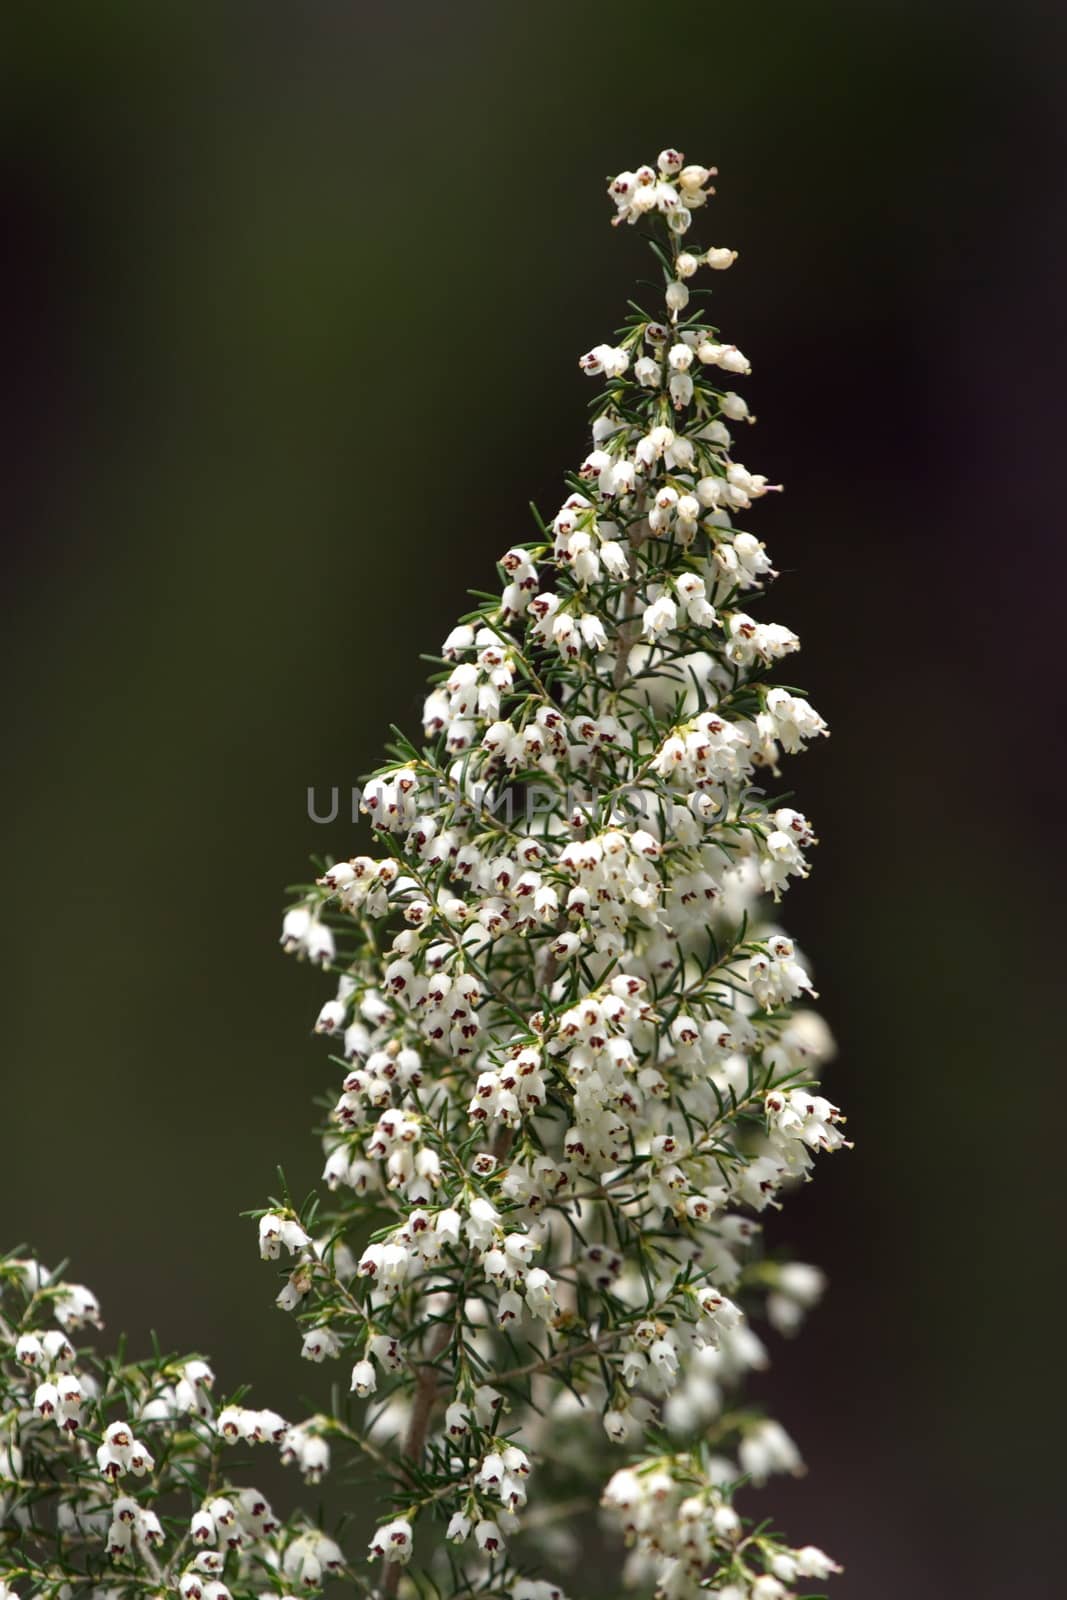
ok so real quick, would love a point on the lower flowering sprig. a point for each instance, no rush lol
(115, 1473)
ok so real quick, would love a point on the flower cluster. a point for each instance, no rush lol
(676, 1514)
(114, 1472)
(577, 1053)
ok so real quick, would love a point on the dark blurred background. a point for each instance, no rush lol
(293, 298)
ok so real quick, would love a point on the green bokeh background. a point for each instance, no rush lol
(293, 296)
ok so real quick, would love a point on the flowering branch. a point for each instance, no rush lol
(575, 1062)
(578, 1059)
